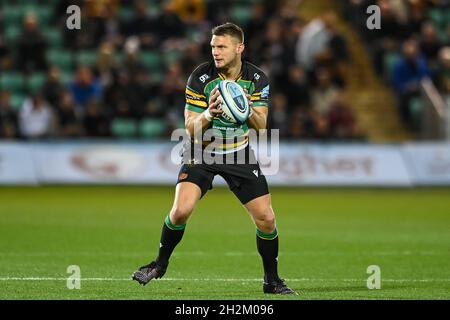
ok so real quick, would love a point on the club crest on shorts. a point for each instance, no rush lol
(182, 176)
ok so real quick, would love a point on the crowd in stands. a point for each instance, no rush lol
(412, 44)
(123, 74)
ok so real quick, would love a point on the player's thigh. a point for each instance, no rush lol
(187, 195)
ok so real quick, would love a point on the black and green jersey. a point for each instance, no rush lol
(228, 137)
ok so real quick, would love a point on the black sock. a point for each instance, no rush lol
(267, 244)
(170, 236)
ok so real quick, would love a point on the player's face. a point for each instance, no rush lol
(225, 50)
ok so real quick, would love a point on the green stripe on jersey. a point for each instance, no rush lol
(194, 108)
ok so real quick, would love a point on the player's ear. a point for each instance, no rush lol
(240, 48)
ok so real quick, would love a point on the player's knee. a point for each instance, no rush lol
(180, 214)
(266, 222)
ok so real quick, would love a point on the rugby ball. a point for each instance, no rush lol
(234, 106)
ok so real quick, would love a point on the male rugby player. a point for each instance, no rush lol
(202, 112)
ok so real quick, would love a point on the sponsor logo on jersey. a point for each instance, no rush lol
(204, 77)
(265, 92)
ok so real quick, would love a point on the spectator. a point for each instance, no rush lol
(191, 12)
(430, 44)
(406, 76)
(106, 62)
(67, 122)
(5, 57)
(142, 26)
(85, 87)
(416, 18)
(301, 124)
(139, 91)
(53, 87)
(321, 126)
(8, 117)
(98, 13)
(116, 91)
(173, 86)
(279, 114)
(384, 39)
(169, 23)
(296, 87)
(192, 55)
(154, 109)
(444, 71)
(256, 23)
(31, 46)
(324, 93)
(312, 41)
(36, 118)
(342, 121)
(95, 121)
(273, 49)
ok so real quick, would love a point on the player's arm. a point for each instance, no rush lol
(258, 116)
(199, 121)
(259, 103)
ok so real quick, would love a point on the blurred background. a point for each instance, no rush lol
(122, 75)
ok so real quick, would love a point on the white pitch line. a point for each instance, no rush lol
(215, 279)
(226, 253)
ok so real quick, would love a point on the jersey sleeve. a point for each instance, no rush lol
(195, 99)
(260, 97)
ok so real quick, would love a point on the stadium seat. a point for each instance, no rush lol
(36, 81)
(172, 56)
(125, 13)
(11, 34)
(12, 15)
(43, 12)
(438, 16)
(118, 57)
(86, 57)
(416, 108)
(152, 60)
(66, 77)
(389, 61)
(54, 37)
(61, 58)
(150, 128)
(241, 14)
(12, 81)
(17, 100)
(123, 128)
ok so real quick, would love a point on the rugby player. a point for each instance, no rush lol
(246, 181)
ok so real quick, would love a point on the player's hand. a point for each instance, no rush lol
(215, 101)
(249, 98)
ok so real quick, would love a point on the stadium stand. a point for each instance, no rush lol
(410, 46)
(126, 69)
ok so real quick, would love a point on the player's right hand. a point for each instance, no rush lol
(215, 101)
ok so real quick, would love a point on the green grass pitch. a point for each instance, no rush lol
(328, 238)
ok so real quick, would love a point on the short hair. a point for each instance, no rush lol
(230, 29)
